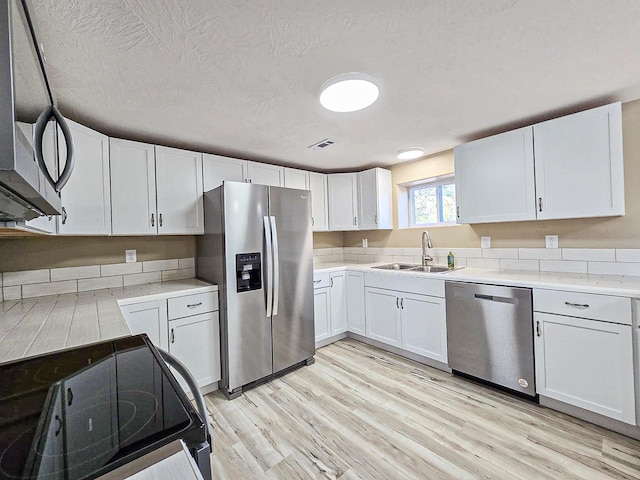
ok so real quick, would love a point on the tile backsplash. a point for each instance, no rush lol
(53, 281)
(600, 261)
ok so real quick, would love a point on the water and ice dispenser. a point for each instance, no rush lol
(248, 272)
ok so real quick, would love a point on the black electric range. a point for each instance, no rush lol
(80, 413)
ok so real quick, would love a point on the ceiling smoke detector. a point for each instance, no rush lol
(348, 92)
(321, 144)
(411, 153)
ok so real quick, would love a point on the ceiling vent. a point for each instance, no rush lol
(321, 144)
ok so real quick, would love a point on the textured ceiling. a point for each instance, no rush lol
(242, 77)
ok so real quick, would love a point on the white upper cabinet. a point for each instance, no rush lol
(217, 169)
(264, 174)
(179, 191)
(579, 164)
(343, 201)
(133, 188)
(44, 223)
(568, 167)
(495, 178)
(319, 201)
(374, 199)
(86, 198)
(294, 178)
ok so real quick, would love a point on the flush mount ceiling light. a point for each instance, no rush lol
(348, 92)
(410, 153)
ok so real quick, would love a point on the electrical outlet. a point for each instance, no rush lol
(485, 242)
(365, 243)
(551, 241)
(130, 256)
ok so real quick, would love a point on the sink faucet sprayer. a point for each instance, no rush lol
(426, 258)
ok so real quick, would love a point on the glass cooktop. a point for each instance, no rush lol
(80, 413)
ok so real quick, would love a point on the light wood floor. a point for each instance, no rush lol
(362, 413)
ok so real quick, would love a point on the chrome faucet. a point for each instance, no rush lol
(426, 258)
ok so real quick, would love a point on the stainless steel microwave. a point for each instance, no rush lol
(27, 187)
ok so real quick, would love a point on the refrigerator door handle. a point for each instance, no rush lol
(269, 255)
(276, 266)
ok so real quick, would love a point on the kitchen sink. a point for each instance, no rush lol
(396, 266)
(430, 269)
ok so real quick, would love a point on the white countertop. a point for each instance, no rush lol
(39, 325)
(602, 284)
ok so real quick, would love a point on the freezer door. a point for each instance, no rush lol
(292, 320)
(248, 328)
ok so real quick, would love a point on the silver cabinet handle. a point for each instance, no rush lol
(64, 216)
(402, 303)
(153, 219)
(194, 305)
(173, 336)
(538, 330)
(577, 305)
(355, 221)
(160, 220)
(540, 203)
(331, 282)
(313, 222)
(458, 211)
(317, 281)
(375, 219)
(397, 302)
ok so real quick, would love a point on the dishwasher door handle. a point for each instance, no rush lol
(494, 298)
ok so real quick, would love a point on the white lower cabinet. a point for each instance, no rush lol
(149, 318)
(338, 303)
(383, 316)
(329, 303)
(322, 313)
(424, 326)
(354, 296)
(195, 341)
(586, 363)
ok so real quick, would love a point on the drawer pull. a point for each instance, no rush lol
(317, 281)
(173, 336)
(577, 305)
(538, 328)
(194, 305)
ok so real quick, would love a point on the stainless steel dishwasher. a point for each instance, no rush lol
(490, 334)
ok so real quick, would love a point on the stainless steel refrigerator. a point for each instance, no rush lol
(258, 248)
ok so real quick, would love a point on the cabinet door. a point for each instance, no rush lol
(195, 341)
(44, 223)
(86, 198)
(424, 328)
(319, 201)
(149, 318)
(294, 178)
(179, 191)
(355, 302)
(579, 164)
(338, 304)
(322, 313)
(264, 174)
(586, 363)
(217, 169)
(343, 201)
(374, 199)
(495, 178)
(133, 188)
(383, 316)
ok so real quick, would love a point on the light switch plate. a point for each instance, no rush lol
(485, 242)
(365, 243)
(130, 256)
(551, 241)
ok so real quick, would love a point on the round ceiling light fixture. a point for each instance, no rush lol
(410, 153)
(348, 92)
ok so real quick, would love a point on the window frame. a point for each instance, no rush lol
(438, 183)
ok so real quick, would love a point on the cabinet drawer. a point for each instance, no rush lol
(192, 304)
(583, 305)
(321, 279)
